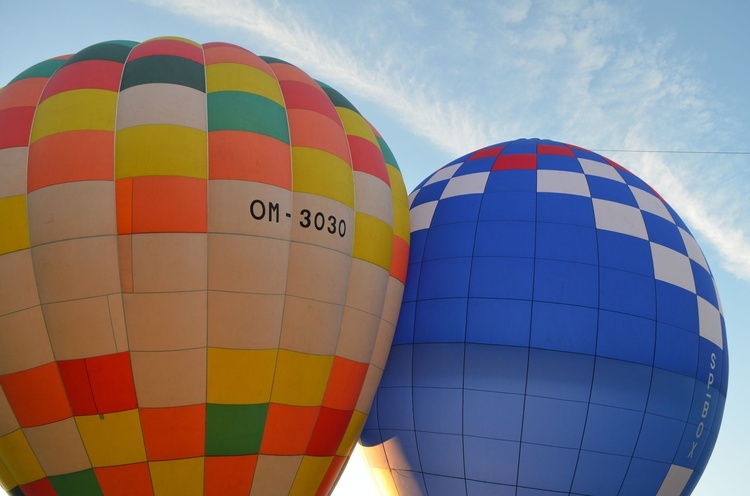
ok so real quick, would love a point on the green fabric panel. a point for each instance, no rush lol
(337, 98)
(81, 483)
(234, 429)
(390, 158)
(42, 69)
(273, 60)
(241, 111)
(164, 69)
(109, 50)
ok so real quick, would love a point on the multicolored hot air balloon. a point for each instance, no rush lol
(202, 257)
(561, 333)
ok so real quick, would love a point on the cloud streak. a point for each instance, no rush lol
(577, 71)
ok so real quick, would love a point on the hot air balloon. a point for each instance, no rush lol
(561, 333)
(202, 256)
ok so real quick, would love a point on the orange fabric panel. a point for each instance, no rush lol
(37, 395)
(217, 53)
(169, 204)
(124, 202)
(314, 130)
(288, 429)
(125, 480)
(399, 259)
(345, 384)
(90, 74)
(249, 157)
(229, 475)
(171, 433)
(23, 93)
(72, 156)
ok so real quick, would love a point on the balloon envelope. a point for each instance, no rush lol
(202, 256)
(561, 333)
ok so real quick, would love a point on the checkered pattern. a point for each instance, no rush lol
(560, 333)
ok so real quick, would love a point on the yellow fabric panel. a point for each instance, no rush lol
(373, 239)
(400, 203)
(14, 226)
(183, 477)
(6, 478)
(177, 38)
(356, 125)
(88, 109)
(240, 376)
(16, 454)
(321, 173)
(301, 378)
(112, 438)
(161, 150)
(228, 76)
(352, 433)
(310, 474)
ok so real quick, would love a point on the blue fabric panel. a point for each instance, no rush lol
(370, 435)
(412, 282)
(600, 473)
(612, 430)
(495, 321)
(660, 437)
(627, 292)
(634, 180)
(508, 205)
(395, 409)
(441, 453)
(491, 460)
(676, 350)
(397, 371)
(417, 243)
(664, 232)
(566, 242)
(519, 146)
(405, 327)
(475, 165)
(621, 384)
(563, 429)
(496, 368)
(704, 404)
(440, 321)
(511, 180)
(620, 251)
(438, 410)
(626, 337)
(560, 375)
(505, 238)
(463, 208)
(451, 240)
(676, 306)
(444, 486)
(493, 415)
(444, 278)
(558, 162)
(692, 446)
(671, 394)
(565, 209)
(402, 453)
(608, 189)
(527, 491)
(407, 481)
(501, 277)
(564, 327)
(588, 154)
(702, 461)
(546, 467)
(704, 284)
(439, 365)
(644, 477)
(429, 193)
(566, 282)
(476, 488)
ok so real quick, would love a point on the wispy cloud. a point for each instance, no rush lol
(462, 77)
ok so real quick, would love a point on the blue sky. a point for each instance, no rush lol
(442, 78)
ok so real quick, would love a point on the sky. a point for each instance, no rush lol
(441, 78)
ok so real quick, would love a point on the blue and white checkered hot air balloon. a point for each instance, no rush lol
(560, 333)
